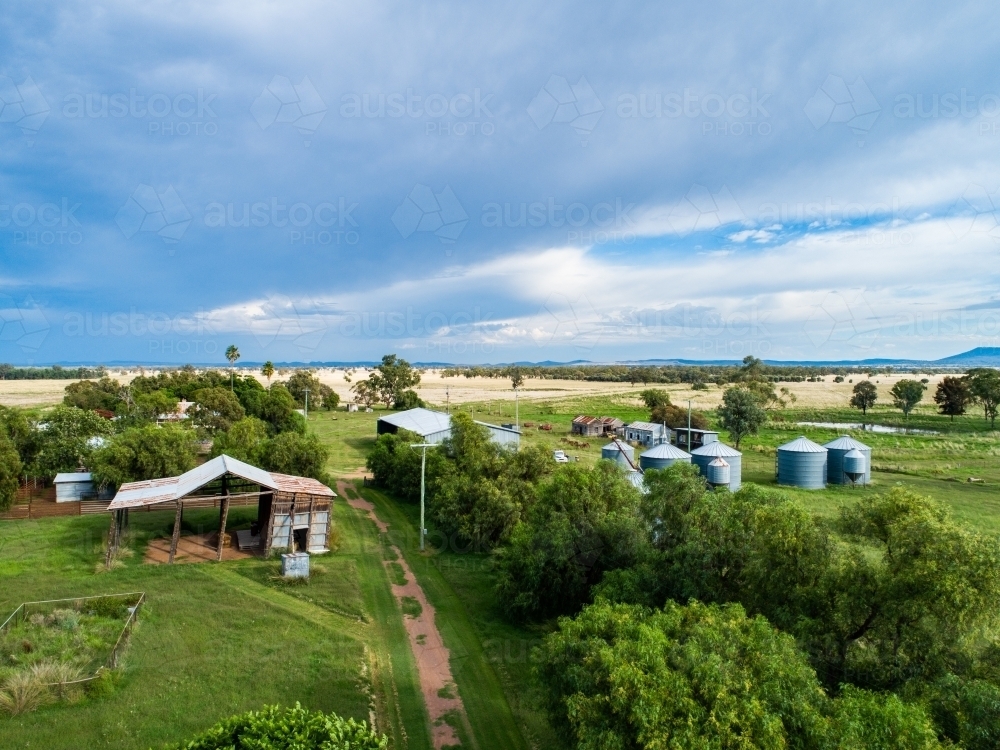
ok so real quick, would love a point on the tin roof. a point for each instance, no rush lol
(648, 426)
(171, 489)
(716, 449)
(845, 442)
(74, 476)
(664, 450)
(802, 444)
(584, 419)
(421, 421)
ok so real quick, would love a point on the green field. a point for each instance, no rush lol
(216, 639)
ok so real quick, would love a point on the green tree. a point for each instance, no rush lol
(741, 413)
(215, 410)
(147, 452)
(906, 394)
(268, 371)
(864, 396)
(67, 438)
(984, 382)
(696, 676)
(278, 728)
(584, 522)
(366, 392)
(10, 471)
(654, 398)
(953, 396)
(516, 378)
(408, 399)
(93, 394)
(277, 407)
(295, 454)
(391, 377)
(320, 396)
(232, 354)
(244, 440)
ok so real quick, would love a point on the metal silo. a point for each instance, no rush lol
(702, 457)
(802, 463)
(835, 459)
(662, 456)
(617, 451)
(855, 465)
(718, 473)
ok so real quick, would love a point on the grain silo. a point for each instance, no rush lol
(718, 473)
(662, 456)
(702, 457)
(620, 452)
(802, 463)
(835, 460)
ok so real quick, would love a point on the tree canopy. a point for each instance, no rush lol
(952, 396)
(741, 413)
(864, 396)
(147, 452)
(906, 394)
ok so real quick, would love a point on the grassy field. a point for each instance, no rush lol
(214, 640)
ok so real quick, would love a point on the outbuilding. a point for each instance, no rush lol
(72, 487)
(435, 427)
(647, 433)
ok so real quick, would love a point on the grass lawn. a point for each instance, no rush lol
(214, 640)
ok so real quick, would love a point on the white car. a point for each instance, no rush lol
(560, 457)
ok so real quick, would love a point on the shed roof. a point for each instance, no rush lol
(664, 450)
(500, 427)
(845, 442)
(649, 426)
(802, 445)
(421, 421)
(171, 489)
(74, 476)
(716, 449)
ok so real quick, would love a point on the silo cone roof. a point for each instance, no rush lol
(845, 442)
(802, 445)
(854, 453)
(664, 450)
(716, 449)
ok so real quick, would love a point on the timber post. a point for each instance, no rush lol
(177, 530)
(223, 517)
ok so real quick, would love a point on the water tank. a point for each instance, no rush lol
(802, 463)
(662, 456)
(718, 472)
(702, 457)
(838, 449)
(616, 451)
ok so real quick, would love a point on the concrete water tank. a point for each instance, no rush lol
(839, 448)
(718, 473)
(662, 456)
(802, 463)
(702, 457)
(617, 451)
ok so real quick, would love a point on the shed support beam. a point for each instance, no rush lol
(177, 531)
(222, 529)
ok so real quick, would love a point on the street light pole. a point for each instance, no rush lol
(423, 470)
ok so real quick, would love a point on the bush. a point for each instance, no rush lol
(408, 400)
(288, 729)
(298, 455)
(10, 470)
(148, 452)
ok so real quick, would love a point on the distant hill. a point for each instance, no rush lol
(982, 356)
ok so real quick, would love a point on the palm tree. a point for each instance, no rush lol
(232, 354)
(268, 372)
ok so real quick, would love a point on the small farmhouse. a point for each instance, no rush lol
(647, 433)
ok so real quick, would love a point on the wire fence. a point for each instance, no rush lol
(133, 601)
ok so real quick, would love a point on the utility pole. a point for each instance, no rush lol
(689, 427)
(307, 402)
(447, 399)
(517, 413)
(423, 469)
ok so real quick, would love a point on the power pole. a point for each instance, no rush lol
(689, 427)
(307, 402)
(423, 469)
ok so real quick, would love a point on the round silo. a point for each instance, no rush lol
(855, 465)
(835, 459)
(662, 456)
(617, 451)
(702, 457)
(718, 472)
(802, 463)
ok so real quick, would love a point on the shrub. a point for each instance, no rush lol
(276, 727)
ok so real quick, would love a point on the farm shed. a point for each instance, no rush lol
(292, 512)
(647, 433)
(587, 426)
(697, 440)
(435, 426)
(75, 486)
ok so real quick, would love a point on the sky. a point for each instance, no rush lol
(512, 181)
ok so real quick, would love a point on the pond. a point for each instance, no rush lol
(878, 428)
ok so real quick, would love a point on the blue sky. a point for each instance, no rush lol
(471, 183)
